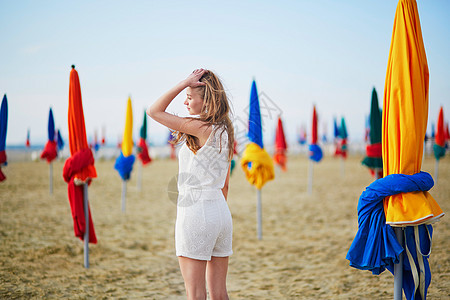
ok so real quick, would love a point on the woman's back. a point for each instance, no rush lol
(206, 171)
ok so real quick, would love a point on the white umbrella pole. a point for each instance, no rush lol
(310, 176)
(342, 167)
(124, 194)
(139, 179)
(436, 171)
(398, 268)
(376, 170)
(423, 154)
(50, 177)
(259, 213)
(86, 233)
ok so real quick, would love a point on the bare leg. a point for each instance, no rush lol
(216, 273)
(193, 272)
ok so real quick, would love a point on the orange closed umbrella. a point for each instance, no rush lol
(405, 116)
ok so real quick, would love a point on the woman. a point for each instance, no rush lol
(203, 230)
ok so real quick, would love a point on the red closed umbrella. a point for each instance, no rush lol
(280, 146)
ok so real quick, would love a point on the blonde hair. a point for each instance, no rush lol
(215, 111)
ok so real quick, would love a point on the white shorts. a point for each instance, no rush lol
(203, 229)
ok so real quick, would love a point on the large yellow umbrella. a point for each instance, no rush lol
(405, 113)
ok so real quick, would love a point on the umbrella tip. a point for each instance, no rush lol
(73, 66)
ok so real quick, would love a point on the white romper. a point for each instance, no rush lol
(203, 227)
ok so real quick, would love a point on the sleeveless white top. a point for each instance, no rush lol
(202, 175)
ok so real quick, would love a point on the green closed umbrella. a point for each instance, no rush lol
(373, 159)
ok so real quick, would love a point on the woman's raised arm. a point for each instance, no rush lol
(157, 111)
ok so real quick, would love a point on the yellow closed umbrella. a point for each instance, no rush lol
(261, 169)
(127, 142)
(405, 113)
(124, 163)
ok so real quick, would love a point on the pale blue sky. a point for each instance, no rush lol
(331, 53)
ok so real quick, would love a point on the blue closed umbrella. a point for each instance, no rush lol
(336, 129)
(51, 126)
(3, 122)
(3, 129)
(60, 140)
(254, 120)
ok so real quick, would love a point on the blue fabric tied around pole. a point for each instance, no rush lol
(315, 153)
(124, 165)
(375, 246)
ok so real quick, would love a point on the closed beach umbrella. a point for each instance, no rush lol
(401, 198)
(335, 129)
(279, 156)
(27, 143)
(373, 158)
(439, 140)
(50, 150)
(142, 150)
(405, 118)
(79, 169)
(59, 140)
(302, 135)
(142, 145)
(3, 129)
(77, 128)
(341, 144)
(315, 152)
(124, 163)
(343, 136)
(255, 161)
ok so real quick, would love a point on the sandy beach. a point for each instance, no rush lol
(301, 256)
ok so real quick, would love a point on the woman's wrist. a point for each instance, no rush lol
(183, 84)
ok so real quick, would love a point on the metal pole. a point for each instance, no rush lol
(124, 194)
(342, 167)
(139, 179)
(259, 213)
(86, 233)
(50, 177)
(436, 171)
(398, 268)
(310, 176)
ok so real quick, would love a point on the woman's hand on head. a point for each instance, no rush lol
(193, 80)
